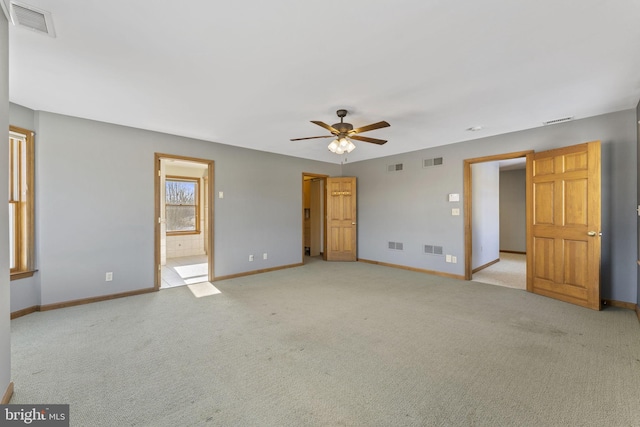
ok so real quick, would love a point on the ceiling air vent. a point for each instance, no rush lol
(556, 121)
(23, 15)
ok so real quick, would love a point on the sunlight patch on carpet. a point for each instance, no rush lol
(203, 289)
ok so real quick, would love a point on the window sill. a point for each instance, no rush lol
(22, 274)
(182, 233)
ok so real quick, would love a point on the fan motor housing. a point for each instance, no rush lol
(343, 127)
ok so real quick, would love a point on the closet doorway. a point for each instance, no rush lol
(313, 215)
(184, 221)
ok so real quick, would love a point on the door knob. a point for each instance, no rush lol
(593, 233)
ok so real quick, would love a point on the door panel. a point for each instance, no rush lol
(563, 224)
(341, 219)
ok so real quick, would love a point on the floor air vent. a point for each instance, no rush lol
(23, 15)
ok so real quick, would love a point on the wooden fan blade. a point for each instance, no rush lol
(312, 137)
(326, 126)
(373, 126)
(365, 139)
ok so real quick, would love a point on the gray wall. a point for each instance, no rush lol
(638, 195)
(5, 309)
(513, 212)
(412, 205)
(94, 203)
(95, 206)
(485, 213)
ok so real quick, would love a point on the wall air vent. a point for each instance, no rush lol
(395, 168)
(433, 250)
(556, 121)
(396, 246)
(436, 161)
(23, 15)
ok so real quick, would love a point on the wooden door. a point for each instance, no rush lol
(563, 224)
(341, 219)
(315, 220)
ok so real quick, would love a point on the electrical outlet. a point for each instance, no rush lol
(108, 277)
(264, 255)
(250, 258)
(454, 259)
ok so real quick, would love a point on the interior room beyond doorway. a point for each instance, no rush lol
(184, 242)
(313, 188)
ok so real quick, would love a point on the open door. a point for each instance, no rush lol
(563, 224)
(341, 219)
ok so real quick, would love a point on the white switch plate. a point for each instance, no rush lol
(455, 211)
(454, 259)
(264, 255)
(220, 195)
(108, 277)
(250, 258)
(454, 197)
(448, 258)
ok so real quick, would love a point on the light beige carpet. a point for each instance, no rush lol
(333, 344)
(510, 272)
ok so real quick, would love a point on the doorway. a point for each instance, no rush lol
(494, 230)
(313, 216)
(184, 221)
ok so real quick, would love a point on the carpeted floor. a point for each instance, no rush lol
(333, 344)
(510, 271)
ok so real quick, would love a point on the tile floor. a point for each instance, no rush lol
(184, 271)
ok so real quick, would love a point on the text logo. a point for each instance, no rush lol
(34, 415)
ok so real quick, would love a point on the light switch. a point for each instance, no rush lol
(454, 197)
(455, 211)
(220, 195)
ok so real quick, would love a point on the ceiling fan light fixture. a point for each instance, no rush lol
(350, 147)
(342, 131)
(341, 145)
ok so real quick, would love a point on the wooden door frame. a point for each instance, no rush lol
(156, 188)
(324, 212)
(467, 194)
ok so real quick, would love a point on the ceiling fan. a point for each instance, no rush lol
(343, 132)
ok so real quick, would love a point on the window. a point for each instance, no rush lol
(182, 205)
(21, 200)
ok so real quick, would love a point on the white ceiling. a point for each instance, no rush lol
(254, 73)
